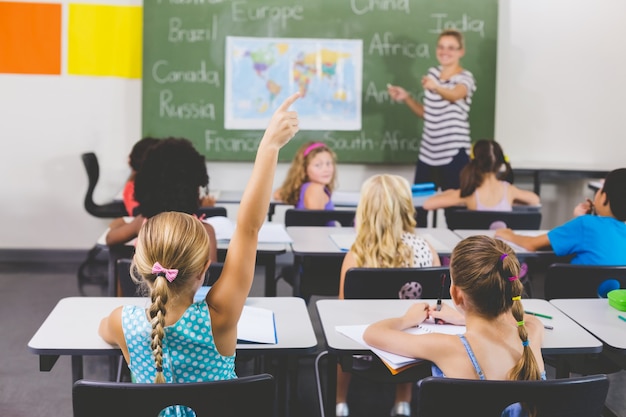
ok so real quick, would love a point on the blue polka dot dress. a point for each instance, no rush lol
(189, 352)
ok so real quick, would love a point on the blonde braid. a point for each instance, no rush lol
(160, 294)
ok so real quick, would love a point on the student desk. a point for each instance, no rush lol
(601, 320)
(266, 256)
(547, 171)
(316, 240)
(518, 249)
(567, 337)
(71, 328)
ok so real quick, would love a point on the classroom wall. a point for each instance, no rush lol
(48, 121)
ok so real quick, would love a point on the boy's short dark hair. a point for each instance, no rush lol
(615, 190)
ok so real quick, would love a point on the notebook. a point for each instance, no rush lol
(397, 363)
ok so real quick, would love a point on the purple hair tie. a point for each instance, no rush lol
(513, 278)
(313, 146)
(504, 255)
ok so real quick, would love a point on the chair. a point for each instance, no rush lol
(129, 288)
(304, 217)
(457, 218)
(315, 275)
(571, 397)
(212, 211)
(579, 281)
(245, 396)
(387, 283)
(110, 210)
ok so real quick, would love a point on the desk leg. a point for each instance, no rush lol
(331, 385)
(269, 261)
(77, 368)
(111, 289)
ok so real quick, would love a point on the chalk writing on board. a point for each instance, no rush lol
(361, 141)
(361, 7)
(244, 12)
(465, 23)
(384, 45)
(261, 72)
(168, 108)
(178, 33)
(162, 74)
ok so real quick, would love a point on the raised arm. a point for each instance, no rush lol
(228, 295)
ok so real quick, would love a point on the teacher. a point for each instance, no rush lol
(448, 91)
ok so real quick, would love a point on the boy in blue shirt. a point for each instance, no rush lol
(596, 236)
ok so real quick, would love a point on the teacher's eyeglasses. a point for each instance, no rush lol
(447, 48)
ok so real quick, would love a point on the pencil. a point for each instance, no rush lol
(621, 317)
(545, 316)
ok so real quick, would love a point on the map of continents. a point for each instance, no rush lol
(264, 73)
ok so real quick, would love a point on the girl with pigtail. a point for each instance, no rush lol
(176, 339)
(484, 183)
(500, 342)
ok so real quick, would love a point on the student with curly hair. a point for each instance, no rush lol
(135, 160)
(169, 180)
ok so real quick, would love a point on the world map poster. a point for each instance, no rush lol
(262, 72)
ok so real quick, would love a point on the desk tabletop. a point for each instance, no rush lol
(567, 337)
(351, 199)
(71, 328)
(598, 317)
(262, 247)
(316, 240)
(491, 233)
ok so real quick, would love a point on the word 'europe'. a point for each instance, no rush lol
(242, 12)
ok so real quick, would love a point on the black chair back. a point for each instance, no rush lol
(571, 397)
(110, 210)
(390, 283)
(304, 217)
(245, 396)
(129, 288)
(212, 211)
(580, 281)
(477, 219)
(315, 275)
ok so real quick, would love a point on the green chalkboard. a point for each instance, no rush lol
(185, 57)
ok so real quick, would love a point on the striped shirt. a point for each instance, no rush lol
(446, 124)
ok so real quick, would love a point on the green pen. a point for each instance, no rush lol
(545, 316)
(621, 317)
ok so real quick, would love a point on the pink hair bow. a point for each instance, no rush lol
(169, 274)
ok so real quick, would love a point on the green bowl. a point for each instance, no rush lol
(617, 299)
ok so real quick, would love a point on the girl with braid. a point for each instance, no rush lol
(500, 343)
(175, 339)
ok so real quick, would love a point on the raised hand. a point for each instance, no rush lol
(283, 125)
